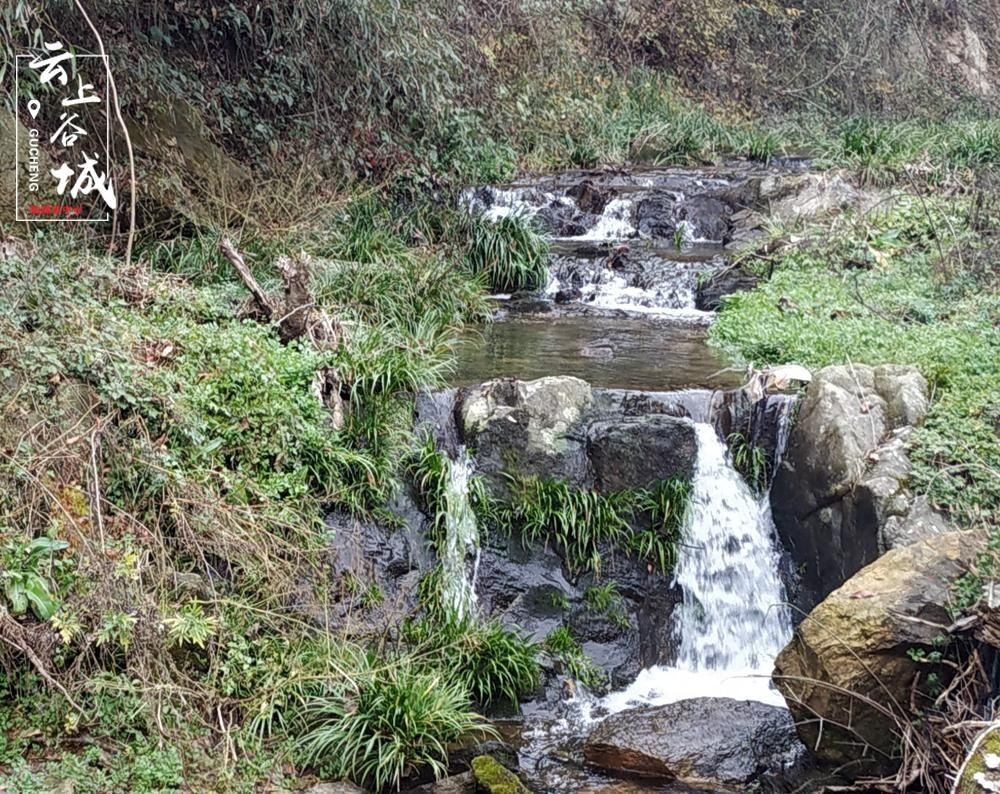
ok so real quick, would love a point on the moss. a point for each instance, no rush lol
(976, 764)
(495, 778)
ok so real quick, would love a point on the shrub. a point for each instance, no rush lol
(507, 253)
(495, 665)
(387, 722)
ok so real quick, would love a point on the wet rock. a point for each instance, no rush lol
(845, 471)
(727, 281)
(522, 303)
(654, 215)
(611, 640)
(527, 427)
(568, 294)
(853, 650)
(342, 787)
(589, 198)
(702, 741)
(464, 783)
(494, 778)
(435, 414)
(706, 217)
(564, 220)
(657, 638)
(525, 588)
(635, 451)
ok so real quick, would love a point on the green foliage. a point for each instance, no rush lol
(492, 663)
(140, 767)
(581, 522)
(191, 626)
(25, 569)
(750, 461)
(507, 253)
(904, 309)
(601, 598)
(885, 152)
(386, 722)
(563, 646)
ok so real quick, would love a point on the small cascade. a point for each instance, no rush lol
(729, 573)
(460, 555)
(614, 223)
(732, 622)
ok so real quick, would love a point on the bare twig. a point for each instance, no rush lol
(125, 134)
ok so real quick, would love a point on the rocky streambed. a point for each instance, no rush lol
(604, 381)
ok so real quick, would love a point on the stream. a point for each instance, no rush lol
(622, 310)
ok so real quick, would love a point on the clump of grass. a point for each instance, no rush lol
(493, 664)
(564, 647)
(750, 461)
(580, 523)
(385, 723)
(508, 254)
(601, 598)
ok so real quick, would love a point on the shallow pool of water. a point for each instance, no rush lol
(610, 352)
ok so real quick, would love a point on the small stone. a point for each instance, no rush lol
(495, 778)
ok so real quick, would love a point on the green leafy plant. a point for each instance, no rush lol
(387, 722)
(750, 461)
(191, 626)
(601, 598)
(26, 574)
(507, 253)
(563, 646)
(579, 523)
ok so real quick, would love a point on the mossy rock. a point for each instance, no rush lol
(494, 778)
(981, 771)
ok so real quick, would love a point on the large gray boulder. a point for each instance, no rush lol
(530, 428)
(840, 496)
(849, 675)
(699, 742)
(559, 428)
(632, 452)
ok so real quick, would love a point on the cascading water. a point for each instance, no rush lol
(461, 540)
(732, 622)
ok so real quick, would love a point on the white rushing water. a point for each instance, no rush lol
(461, 540)
(731, 624)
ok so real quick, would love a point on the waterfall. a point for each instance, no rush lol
(732, 623)
(461, 543)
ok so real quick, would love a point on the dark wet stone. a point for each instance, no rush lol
(568, 294)
(635, 451)
(707, 216)
(611, 643)
(464, 783)
(654, 215)
(715, 741)
(564, 220)
(589, 198)
(728, 281)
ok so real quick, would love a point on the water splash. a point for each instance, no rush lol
(460, 555)
(732, 622)
(615, 222)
